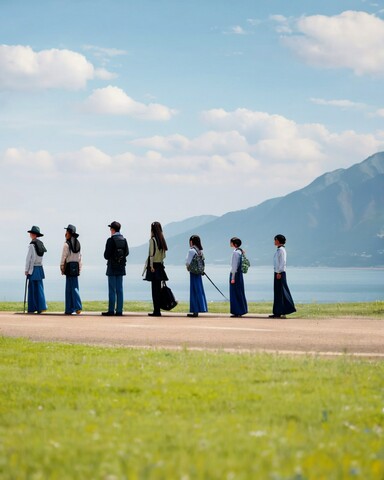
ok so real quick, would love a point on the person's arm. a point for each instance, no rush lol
(108, 249)
(152, 250)
(234, 265)
(64, 256)
(191, 254)
(30, 260)
(280, 262)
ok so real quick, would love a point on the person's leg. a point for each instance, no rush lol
(68, 296)
(156, 291)
(32, 306)
(111, 293)
(76, 300)
(119, 295)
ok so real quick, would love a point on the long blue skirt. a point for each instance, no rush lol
(197, 300)
(72, 295)
(238, 302)
(36, 296)
(282, 299)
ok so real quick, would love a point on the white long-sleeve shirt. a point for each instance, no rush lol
(280, 260)
(32, 259)
(236, 259)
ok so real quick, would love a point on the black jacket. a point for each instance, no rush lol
(116, 252)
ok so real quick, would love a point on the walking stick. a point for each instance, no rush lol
(217, 288)
(25, 291)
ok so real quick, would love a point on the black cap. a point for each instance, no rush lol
(115, 225)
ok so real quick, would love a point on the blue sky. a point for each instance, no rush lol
(162, 110)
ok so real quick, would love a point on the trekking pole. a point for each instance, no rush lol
(217, 288)
(25, 291)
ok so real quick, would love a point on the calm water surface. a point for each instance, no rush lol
(308, 285)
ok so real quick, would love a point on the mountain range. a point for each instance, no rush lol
(337, 220)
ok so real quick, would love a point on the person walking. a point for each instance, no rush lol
(34, 272)
(70, 266)
(195, 265)
(282, 300)
(116, 252)
(238, 302)
(154, 266)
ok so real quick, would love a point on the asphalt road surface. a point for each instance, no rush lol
(361, 337)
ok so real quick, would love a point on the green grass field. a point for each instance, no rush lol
(80, 412)
(308, 310)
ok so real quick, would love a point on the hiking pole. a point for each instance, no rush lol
(217, 288)
(25, 291)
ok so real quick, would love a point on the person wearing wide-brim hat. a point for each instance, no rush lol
(70, 266)
(35, 272)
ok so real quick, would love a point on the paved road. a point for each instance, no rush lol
(363, 337)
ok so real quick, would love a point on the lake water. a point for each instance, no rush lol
(307, 285)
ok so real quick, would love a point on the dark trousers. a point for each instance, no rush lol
(156, 292)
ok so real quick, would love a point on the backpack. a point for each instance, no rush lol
(245, 263)
(119, 256)
(197, 265)
(39, 247)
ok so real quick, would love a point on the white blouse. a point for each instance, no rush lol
(280, 260)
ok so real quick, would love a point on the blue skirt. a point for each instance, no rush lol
(238, 302)
(197, 300)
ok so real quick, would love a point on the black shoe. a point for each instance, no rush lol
(119, 314)
(235, 316)
(192, 314)
(277, 316)
(108, 314)
(154, 314)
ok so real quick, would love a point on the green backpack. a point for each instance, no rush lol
(245, 263)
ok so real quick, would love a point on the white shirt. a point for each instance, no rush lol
(32, 259)
(191, 253)
(236, 259)
(280, 260)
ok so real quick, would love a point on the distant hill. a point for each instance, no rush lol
(337, 220)
(193, 223)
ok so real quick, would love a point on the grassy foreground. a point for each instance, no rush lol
(307, 310)
(77, 412)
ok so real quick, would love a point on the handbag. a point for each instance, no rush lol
(167, 299)
(72, 269)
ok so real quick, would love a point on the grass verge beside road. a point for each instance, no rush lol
(75, 412)
(307, 310)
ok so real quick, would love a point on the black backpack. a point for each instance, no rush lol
(121, 248)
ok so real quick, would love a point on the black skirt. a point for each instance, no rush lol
(158, 274)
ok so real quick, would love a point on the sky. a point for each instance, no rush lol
(160, 110)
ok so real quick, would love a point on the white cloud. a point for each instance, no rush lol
(114, 101)
(25, 162)
(338, 103)
(237, 30)
(242, 147)
(352, 40)
(380, 112)
(23, 68)
(105, 52)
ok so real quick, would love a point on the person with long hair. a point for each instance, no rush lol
(154, 267)
(70, 266)
(238, 302)
(197, 300)
(282, 299)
